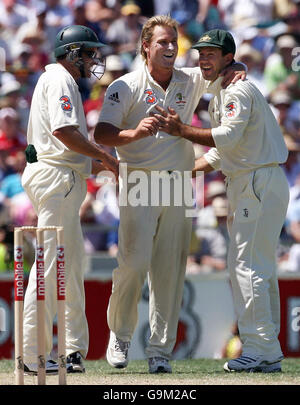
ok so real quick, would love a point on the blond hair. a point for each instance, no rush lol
(148, 28)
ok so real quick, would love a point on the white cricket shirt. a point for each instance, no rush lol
(56, 103)
(130, 98)
(244, 128)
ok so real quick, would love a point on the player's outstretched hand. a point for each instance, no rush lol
(169, 121)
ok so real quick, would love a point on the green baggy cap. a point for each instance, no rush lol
(218, 39)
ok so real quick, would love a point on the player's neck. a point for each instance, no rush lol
(74, 72)
(161, 76)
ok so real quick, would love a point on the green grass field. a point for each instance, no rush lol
(202, 372)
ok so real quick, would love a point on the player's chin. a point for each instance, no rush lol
(208, 75)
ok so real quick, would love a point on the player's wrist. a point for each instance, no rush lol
(182, 130)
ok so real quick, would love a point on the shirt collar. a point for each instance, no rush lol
(52, 66)
(177, 77)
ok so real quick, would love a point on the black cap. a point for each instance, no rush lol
(218, 39)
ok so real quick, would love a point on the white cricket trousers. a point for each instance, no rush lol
(57, 194)
(257, 207)
(153, 241)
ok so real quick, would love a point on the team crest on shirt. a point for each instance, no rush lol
(150, 96)
(66, 104)
(180, 100)
(231, 109)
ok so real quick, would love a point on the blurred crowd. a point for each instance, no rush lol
(267, 33)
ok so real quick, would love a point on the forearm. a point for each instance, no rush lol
(97, 167)
(201, 165)
(109, 135)
(201, 136)
(74, 140)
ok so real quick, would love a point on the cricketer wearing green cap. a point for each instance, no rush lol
(218, 39)
(248, 147)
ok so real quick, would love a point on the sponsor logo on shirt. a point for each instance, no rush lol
(231, 110)
(114, 97)
(66, 104)
(151, 97)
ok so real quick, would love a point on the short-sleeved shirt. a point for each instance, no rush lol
(244, 128)
(56, 103)
(132, 97)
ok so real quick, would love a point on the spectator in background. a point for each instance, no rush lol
(279, 73)
(12, 139)
(39, 54)
(100, 208)
(5, 46)
(284, 8)
(292, 20)
(293, 120)
(213, 188)
(238, 14)
(7, 249)
(291, 167)
(12, 97)
(253, 59)
(115, 66)
(212, 250)
(280, 102)
(200, 16)
(25, 77)
(207, 220)
(102, 12)
(184, 40)
(19, 207)
(12, 16)
(79, 10)
(58, 15)
(124, 33)
(147, 7)
(38, 25)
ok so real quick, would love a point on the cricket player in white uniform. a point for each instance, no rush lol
(60, 158)
(248, 147)
(153, 240)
